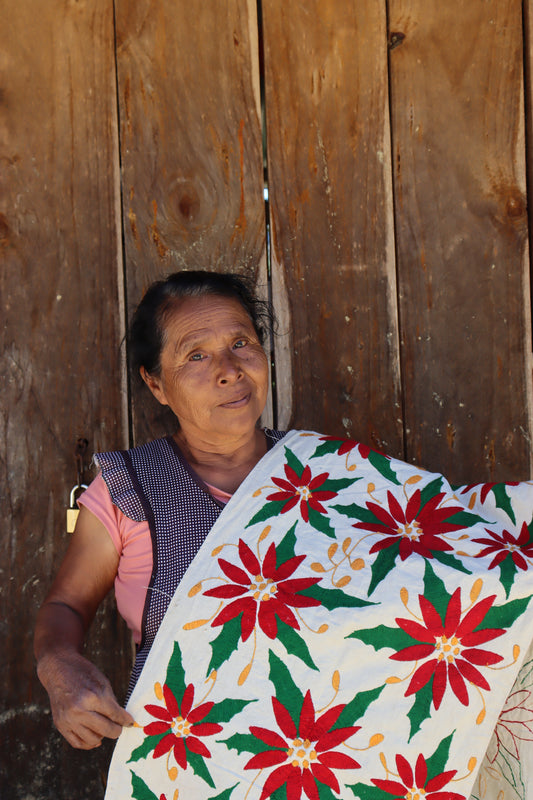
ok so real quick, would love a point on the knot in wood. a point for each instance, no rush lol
(396, 38)
(515, 207)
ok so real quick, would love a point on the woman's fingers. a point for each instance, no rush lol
(84, 707)
(90, 718)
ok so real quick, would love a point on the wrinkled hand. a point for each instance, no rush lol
(84, 707)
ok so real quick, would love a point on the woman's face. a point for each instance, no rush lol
(214, 372)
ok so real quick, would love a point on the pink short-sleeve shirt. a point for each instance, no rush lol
(133, 543)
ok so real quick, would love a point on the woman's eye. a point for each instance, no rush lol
(240, 343)
(196, 357)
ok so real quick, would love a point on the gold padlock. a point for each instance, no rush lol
(72, 512)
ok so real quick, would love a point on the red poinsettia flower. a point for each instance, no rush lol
(451, 649)
(417, 528)
(262, 592)
(304, 490)
(302, 755)
(182, 723)
(506, 544)
(416, 784)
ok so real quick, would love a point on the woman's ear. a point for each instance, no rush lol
(155, 386)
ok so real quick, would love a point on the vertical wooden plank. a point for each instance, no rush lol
(332, 229)
(528, 94)
(459, 172)
(60, 365)
(192, 167)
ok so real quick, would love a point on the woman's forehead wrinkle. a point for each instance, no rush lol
(196, 338)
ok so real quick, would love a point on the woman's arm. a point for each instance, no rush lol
(84, 707)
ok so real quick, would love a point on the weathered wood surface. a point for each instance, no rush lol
(331, 209)
(60, 363)
(461, 232)
(191, 148)
(192, 196)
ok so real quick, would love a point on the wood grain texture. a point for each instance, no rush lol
(60, 363)
(461, 224)
(332, 231)
(192, 166)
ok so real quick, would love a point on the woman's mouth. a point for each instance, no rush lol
(237, 403)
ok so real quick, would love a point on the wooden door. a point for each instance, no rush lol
(138, 138)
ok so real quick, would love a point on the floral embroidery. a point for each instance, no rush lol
(417, 529)
(452, 648)
(262, 592)
(505, 544)
(178, 727)
(181, 723)
(515, 724)
(346, 445)
(254, 600)
(415, 526)
(304, 754)
(415, 784)
(380, 461)
(302, 489)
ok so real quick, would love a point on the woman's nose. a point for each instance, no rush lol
(229, 368)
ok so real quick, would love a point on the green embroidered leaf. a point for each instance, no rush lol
(335, 485)
(225, 643)
(354, 511)
(437, 762)
(175, 679)
(267, 511)
(146, 748)
(225, 795)
(198, 766)
(465, 519)
(226, 709)
(140, 790)
(420, 710)
(244, 743)
(325, 793)
(450, 561)
(320, 522)
(508, 570)
(504, 616)
(294, 644)
(381, 637)
(331, 446)
(435, 591)
(293, 462)
(525, 676)
(355, 709)
(364, 792)
(384, 563)
(503, 500)
(429, 491)
(286, 690)
(285, 549)
(383, 466)
(334, 598)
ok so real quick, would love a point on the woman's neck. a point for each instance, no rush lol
(226, 465)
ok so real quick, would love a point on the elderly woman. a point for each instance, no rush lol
(297, 650)
(196, 339)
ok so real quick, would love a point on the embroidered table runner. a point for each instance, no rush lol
(351, 627)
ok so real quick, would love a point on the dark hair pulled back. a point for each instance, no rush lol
(146, 334)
